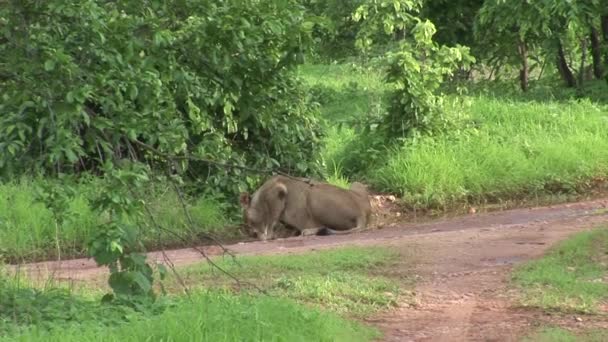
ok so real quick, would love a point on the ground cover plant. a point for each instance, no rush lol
(57, 315)
(346, 280)
(499, 149)
(308, 296)
(571, 277)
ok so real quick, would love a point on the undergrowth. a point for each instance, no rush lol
(571, 277)
(28, 230)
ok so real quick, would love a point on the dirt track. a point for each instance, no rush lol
(461, 264)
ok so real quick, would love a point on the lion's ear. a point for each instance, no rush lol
(281, 191)
(245, 199)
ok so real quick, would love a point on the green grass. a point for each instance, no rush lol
(309, 296)
(554, 334)
(517, 150)
(345, 91)
(56, 314)
(340, 280)
(28, 230)
(534, 145)
(572, 277)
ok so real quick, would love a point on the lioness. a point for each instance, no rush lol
(306, 206)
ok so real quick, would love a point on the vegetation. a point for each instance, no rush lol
(208, 315)
(537, 145)
(336, 280)
(132, 125)
(27, 231)
(552, 334)
(571, 277)
(339, 280)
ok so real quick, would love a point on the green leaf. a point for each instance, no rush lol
(49, 65)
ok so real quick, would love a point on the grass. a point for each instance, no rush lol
(345, 91)
(516, 150)
(309, 296)
(28, 230)
(555, 334)
(57, 315)
(344, 280)
(572, 277)
(516, 147)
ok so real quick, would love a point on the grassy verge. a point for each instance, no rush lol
(572, 277)
(57, 315)
(536, 145)
(309, 297)
(514, 150)
(28, 230)
(553, 334)
(346, 280)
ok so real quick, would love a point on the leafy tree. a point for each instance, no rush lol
(513, 31)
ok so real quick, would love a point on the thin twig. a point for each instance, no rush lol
(201, 251)
(164, 254)
(192, 226)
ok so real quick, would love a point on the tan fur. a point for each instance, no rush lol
(308, 208)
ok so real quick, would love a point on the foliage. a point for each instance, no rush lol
(416, 69)
(28, 229)
(571, 277)
(454, 20)
(556, 334)
(113, 88)
(81, 82)
(335, 33)
(545, 30)
(23, 305)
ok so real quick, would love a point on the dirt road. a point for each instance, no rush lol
(461, 265)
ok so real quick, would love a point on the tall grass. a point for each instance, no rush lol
(506, 145)
(515, 149)
(28, 230)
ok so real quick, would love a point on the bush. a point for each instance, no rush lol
(84, 81)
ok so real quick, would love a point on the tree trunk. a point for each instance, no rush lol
(605, 27)
(581, 71)
(596, 54)
(562, 66)
(523, 72)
